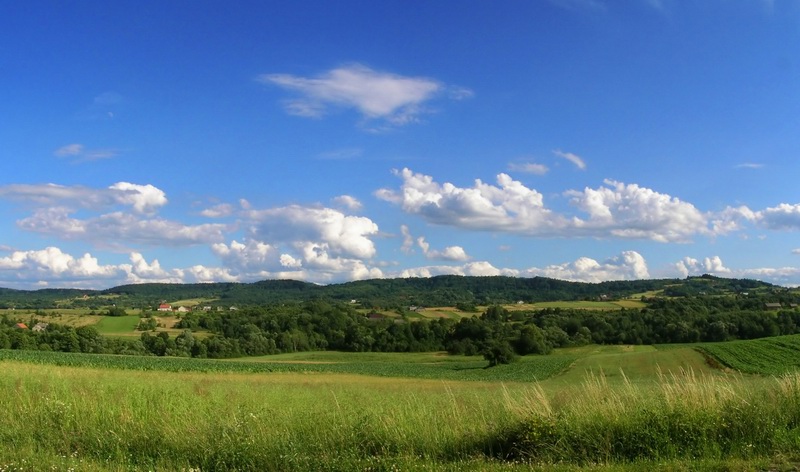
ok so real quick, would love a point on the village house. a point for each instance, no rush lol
(165, 307)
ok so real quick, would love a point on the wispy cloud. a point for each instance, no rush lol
(103, 107)
(579, 4)
(348, 202)
(529, 168)
(341, 154)
(79, 153)
(573, 158)
(145, 199)
(376, 95)
(749, 165)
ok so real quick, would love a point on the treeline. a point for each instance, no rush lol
(63, 338)
(497, 334)
(325, 326)
(666, 321)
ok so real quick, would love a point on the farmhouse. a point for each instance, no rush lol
(165, 307)
(40, 327)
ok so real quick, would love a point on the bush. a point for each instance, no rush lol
(116, 311)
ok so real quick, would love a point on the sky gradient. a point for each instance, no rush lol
(584, 140)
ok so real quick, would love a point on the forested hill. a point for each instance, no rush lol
(445, 290)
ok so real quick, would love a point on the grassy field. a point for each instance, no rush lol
(583, 305)
(454, 313)
(455, 368)
(319, 411)
(638, 364)
(118, 325)
(190, 302)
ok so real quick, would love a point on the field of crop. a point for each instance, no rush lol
(768, 356)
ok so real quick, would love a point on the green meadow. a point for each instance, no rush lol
(593, 408)
(117, 325)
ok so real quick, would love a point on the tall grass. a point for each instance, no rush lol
(173, 421)
(685, 416)
(80, 418)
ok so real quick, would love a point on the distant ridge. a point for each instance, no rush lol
(444, 290)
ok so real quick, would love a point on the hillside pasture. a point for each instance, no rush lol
(69, 317)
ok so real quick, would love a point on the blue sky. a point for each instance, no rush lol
(331, 141)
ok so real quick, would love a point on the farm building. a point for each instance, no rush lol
(40, 327)
(165, 307)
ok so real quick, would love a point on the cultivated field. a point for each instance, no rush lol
(602, 407)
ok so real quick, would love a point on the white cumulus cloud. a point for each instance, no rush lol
(709, 265)
(342, 234)
(51, 264)
(630, 211)
(630, 265)
(785, 216)
(450, 253)
(616, 210)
